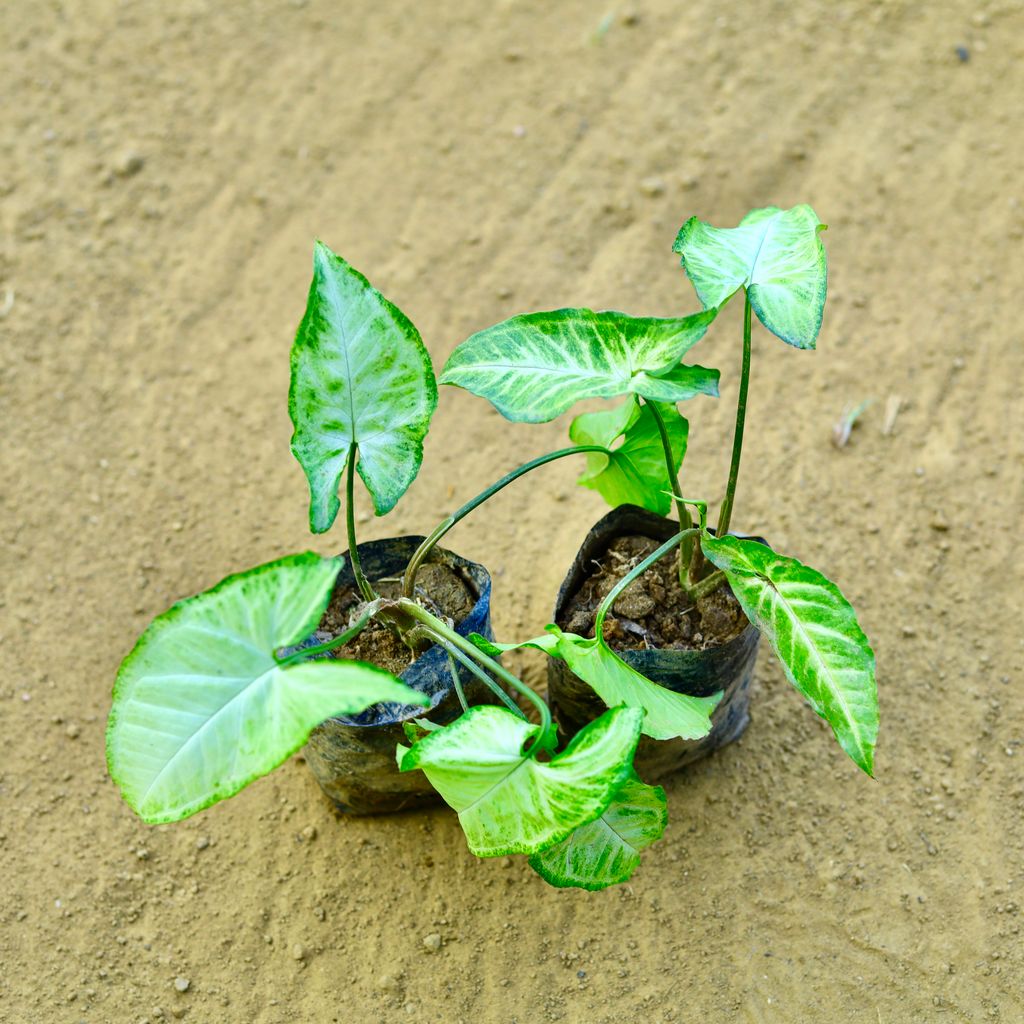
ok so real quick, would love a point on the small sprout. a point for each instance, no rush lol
(844, 426)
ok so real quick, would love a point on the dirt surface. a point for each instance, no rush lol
(440, 589)
(165, 170)
(653, 611)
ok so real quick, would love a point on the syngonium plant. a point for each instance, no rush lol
(221, 689)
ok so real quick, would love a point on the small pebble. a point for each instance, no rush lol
(388, 983)
(72, 731)
(432, 941)
(298, 953)
(129, 163)
(182, 984)
(309, 833)
(652, 187)
(202, 842)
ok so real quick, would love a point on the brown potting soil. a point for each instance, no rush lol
(653, 611)
(164, 171)
(440, 589)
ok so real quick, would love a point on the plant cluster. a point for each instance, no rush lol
(221, 688)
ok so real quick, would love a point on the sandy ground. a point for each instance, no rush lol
(165, 168)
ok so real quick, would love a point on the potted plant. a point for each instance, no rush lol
(692, 629)
(226, 685)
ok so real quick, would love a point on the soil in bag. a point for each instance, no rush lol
(353, 757)
(695, 647)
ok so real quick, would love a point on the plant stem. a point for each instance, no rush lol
(707, 585)
(457, 682)
(443, 631)
(472, 666)
(682, 512)
(725, 516)
(423, 551)
(329, 645)
(350, 515)
(639, 570)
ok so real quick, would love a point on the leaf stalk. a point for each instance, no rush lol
(725, 516)
(369, 594)
(460, 643)
(423, 551)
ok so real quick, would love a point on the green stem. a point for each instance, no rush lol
(706, 585)
(472, 666)
(443, 631)
(423, 551)
(685, 522)
(639, 570)
(350, 515)
(457, 682)
(725, 516)
(329, 645)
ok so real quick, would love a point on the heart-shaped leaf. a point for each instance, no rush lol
(361, 379)
(815, 633)
(202, 708)
(510, 803)
(634, 472)
(606, 851)
(777, 255)
(535, 366)
(667, 714)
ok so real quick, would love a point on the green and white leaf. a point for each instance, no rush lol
(508, 803)
(777, 255)
(634, 472)
(535, 366)
(815, 633)
(201, 708)
(667, 714)
(606, 851)
(360, 377)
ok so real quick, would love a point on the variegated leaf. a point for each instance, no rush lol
(510, 803)
(202, 708)
(361, 379)
(535, 366)
(667, 714)
(606, 851)
(777, 255)
(815, 633)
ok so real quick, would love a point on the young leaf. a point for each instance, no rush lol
(535, 366)
(606, 851)
(508, 803)
(360, 376)
(815, 633)
(201, 708)
(667, 714)
(634, 473)
(776, 255)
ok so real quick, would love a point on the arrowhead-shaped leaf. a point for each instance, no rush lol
(535, 366)
(815, 633)
(606, 851)
(201, 708)
(667, 714)
(634, 472)
(776, 255)
(360, 377)
(508, 803)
